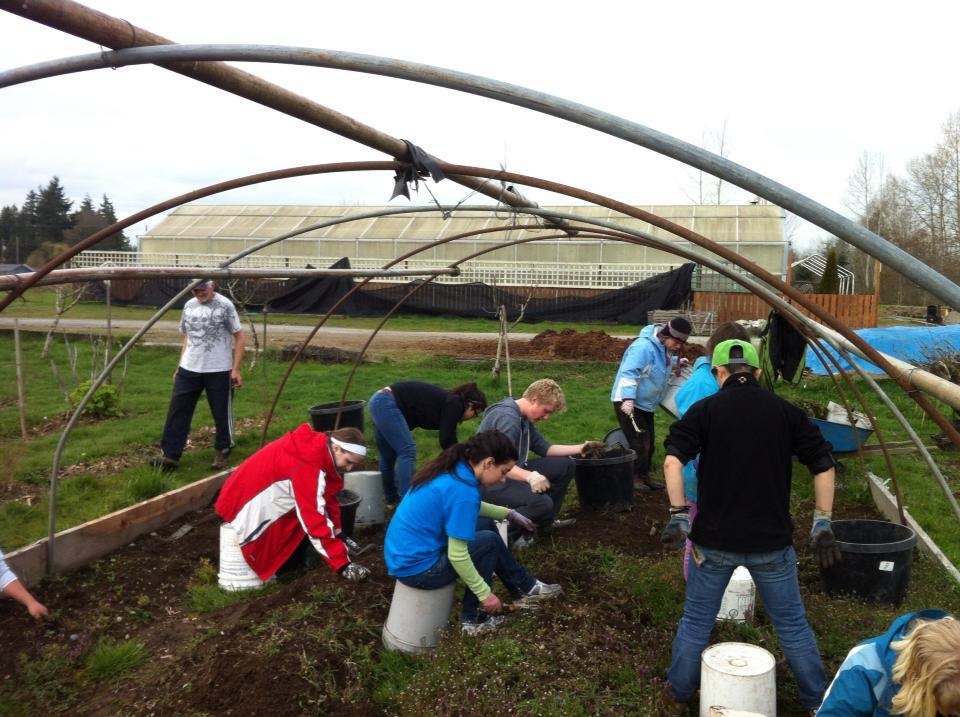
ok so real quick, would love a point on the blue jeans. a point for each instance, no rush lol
(187, 387)
(775, 575)
(395, 445)
(490, 556)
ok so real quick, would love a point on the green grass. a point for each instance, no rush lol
(109, 659)
(86, 491)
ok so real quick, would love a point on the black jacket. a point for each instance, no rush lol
(747, 437)
(425, 405)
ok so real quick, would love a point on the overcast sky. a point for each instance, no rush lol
(802, 89)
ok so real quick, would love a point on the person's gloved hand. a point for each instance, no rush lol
(823, 543)
(521, 521)
(675, 532)
(538, 482)
(491, 603)
(626, 407)
(354, 572)
(593, 449)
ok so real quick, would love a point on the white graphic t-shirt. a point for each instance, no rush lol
(209, 329)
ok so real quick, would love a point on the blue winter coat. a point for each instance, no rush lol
(644, 371)
(864, 685)
(700, 384)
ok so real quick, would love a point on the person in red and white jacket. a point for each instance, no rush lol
(287, 491)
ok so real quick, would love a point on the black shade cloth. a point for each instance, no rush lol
(628, 305)
(417, 165)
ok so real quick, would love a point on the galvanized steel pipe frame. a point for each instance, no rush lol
(521, 179)
(170, 55)
(114, 273)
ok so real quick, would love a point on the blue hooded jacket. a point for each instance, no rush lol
(644, 371)
(701, 384)
(864, 685)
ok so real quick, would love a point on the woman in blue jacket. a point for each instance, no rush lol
(638, 387)
(433, 538)
(913, 669)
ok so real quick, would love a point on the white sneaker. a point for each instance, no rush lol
(480, 628)
(541, 591)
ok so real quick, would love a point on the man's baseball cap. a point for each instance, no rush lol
(733, 352)
(204, 283)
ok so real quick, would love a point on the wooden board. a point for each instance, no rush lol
(887, 504)
(76, 547)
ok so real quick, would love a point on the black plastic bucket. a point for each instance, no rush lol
(606, 483)
(323, 416)
(876, 564)
(349, 502)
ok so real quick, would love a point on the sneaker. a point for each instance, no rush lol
(479, 628)
(541, 591)
(563, 523)
(523, 542)
(640, 486)
(165, 463)
(221, 460)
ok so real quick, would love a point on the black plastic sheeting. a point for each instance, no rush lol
(628, 305)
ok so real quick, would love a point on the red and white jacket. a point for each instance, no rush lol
(285, 490)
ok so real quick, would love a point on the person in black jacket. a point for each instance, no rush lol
(400, 407)
(746, 437)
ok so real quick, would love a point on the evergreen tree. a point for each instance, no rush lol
(830, 281)
(114, 242)
(52, 212)
(86, 221)
(25, 235)
(8, 229)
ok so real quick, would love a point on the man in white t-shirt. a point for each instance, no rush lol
(213, 345)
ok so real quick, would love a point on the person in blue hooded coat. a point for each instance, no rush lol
(912, 669)
(638, 387)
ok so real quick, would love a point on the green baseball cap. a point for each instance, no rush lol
(735, 351)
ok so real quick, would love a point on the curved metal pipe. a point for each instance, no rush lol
(657, 221)
(610, 124)
(69, 276)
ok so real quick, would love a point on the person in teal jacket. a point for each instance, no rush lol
(700, 384)
(913, 669)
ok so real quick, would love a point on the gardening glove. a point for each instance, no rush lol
(823, 542)
(626, 407)
(521, 521)
(491, 603)
(674, 535)
(538, 482)
(593, 449)
(354, 572)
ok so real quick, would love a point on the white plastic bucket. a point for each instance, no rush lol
(502, 530)
(738, 676)
(416, 618)
(369, 486)
(234, 573)
(739, 597)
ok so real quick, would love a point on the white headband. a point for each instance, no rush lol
(350, 447)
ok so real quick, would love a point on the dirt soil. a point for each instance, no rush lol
(225, 662)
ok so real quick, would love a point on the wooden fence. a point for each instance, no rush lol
(857, 311)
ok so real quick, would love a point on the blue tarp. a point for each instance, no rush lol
(913, 344)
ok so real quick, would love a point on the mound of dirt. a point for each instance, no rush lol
(574, 345)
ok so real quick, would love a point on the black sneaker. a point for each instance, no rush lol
(221, 460)
(165, 463)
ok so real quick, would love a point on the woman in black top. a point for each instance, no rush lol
(399, 408)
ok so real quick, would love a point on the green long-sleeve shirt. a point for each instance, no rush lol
(459, 555)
